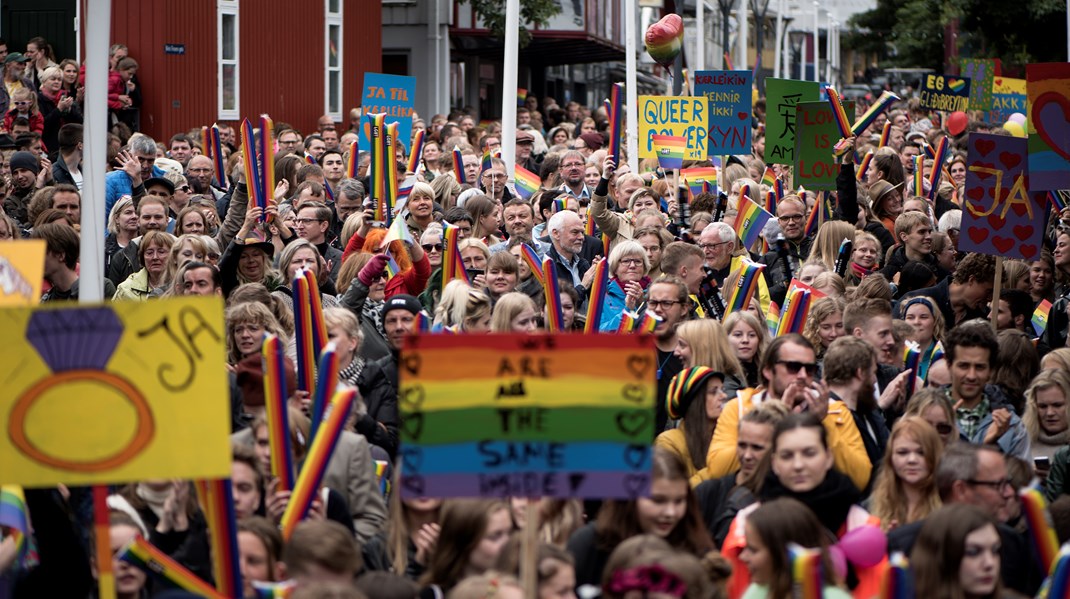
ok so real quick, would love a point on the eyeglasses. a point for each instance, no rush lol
(307, 221)
(713, 246)
(655, 304)
(790, 217)
(572, 165)
(794, 367)
(493, 175)
(996, 485)
(431, 247)
(631, 261)
(22, 103)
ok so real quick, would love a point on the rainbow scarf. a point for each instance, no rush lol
(747, 277)
(701, 179)
(417, 150)
(16, 518)
(750, 220)
(615, 112)
(217, 503)
(1040, 317)
(278, 418)
(146, 556)
(806, 572)
(527, 182)
(1034, 508)
(596, 303)
(551, 287)
(670, 150)
(458, 166)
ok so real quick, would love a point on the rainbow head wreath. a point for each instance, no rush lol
(77, 345)
(664, 40)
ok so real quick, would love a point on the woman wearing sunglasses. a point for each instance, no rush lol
(933, 406)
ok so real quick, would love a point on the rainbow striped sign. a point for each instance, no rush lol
(531, 415)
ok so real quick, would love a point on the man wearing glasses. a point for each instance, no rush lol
(718, 245)
(789, 374)
(313, 221)
(791, 215)
(493, 181)
(573, 166)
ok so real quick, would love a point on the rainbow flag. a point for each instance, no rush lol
(458, 166)
(217, 503)
(398, 231)
(274, 590)
(527, 182)
(821, 213)
(769, 178)
(557, 205)
(555, 319)
(628, 321)
(1040, 317)
(422, 323)
(648, 322)
(403, 192)
(485, 165)
(452, 265)
(772, 317)
(806, 572)
(670, 150)
(699, 179)
(417, 151)
(615, 112)
(146, 556)
(597, 302)
(1034, 508)
(747, 276)
(938, 167)
(793, 316)
(16, 518)
(1057, 200)
(750, 220)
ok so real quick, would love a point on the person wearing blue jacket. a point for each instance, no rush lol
(626, 289)
(137, 165)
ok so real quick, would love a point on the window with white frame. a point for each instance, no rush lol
(332, 51)
(227, 51)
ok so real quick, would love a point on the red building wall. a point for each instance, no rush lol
(281, 59)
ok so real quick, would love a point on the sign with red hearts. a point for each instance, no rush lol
(728, 93)
(1000, 216)
(1048, 87)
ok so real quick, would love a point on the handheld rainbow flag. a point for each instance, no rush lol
(648, 322)
(838, 113)
(146, 556)
(353, 160)
(555, 319)
(772, 317)
(886, 134)
(912, 360)
(392, 269)
(275, 408)
(527, 182)
(319, 454)
(485, 164)
(217, 504)
(417, 151)
(1040, 317)
(15, 517)
(452, 264)
(398, 231)
(819, 214)
(326, 382)
(796, 308)
(532, 260)
(919, 175)
(884, 102)
(596, 303)
(863, 166)
(217, 157)
(769, 178)
(458, 166)
(1057, 200)
(938, 167)
(896, 581)
(628, 321)
(670, 150)
(806, 572)
(558, 205)
(746, 283)
(252, 171)
(1034, 508)
(700, 179)
(750, 220)
(615, 112)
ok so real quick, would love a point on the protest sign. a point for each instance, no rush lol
(113, 393)
(783, 95)
(528, 415)
(816, 133)
(728, 93)
(685, 116)
(981, 72)
(1048, 87)
(1008, 97)
(1000, 216)
(944, 92)
(22, 264)
(392, 95)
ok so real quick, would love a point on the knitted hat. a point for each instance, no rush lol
(685, 387)
(593, 140)
(24, 160)
(402, 302)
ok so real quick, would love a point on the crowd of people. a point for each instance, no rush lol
(816, 438)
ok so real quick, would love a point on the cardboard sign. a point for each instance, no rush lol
(782, 96)
(1048, 86)
(815, 134)
(392, 95)
(22, 264)
(946, 93)
(527, 415)
(728, 93)
(1000, 217)
(981, 72)
(114, 393)
(1008, 97)
(684, 116)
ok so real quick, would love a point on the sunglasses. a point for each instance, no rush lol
(794, 367)
(944, 428)
(429, 247)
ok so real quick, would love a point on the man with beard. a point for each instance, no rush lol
(871, 321)
(851, 374)
(573, 166)
(789, 374)
(519, 216)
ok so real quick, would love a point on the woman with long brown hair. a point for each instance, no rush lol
(905, 489)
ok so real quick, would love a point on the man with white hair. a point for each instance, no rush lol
(566, 240)
(718, 242)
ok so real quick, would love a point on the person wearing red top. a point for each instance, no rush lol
(414, 271)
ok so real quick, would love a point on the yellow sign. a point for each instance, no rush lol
(114, 393)
(22, 265)
(681, 116)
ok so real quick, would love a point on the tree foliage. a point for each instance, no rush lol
(536, 12)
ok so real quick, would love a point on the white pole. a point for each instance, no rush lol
(828, 51)
(779, 39)
(95, 140)
(817, 42)
(633, 94)
(744, 30)
(509, 77)
(700, 38)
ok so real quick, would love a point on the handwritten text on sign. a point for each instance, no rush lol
(816, 134)
(729, 96)
(942, 92)
(527, 415)
(392, 95)
(114, 393)
(783, 95)
(686, 117)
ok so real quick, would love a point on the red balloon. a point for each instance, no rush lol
(956, 122)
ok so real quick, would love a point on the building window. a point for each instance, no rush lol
(332, 92)
(228, 45)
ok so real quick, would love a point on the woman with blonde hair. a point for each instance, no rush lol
(933, 406)
(462, 308)
(1047, 412)
(831, 284)
(122, 228)
(246, 324)
(826, 247)
(514, 312)
(905, 488)
(747, 336)
(704, 342)
(153, 254)
(865, 257)
(824, 324)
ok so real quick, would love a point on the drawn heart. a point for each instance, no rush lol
(411, 363)
(976, 193)
(413, 485)
(1028, 251)
(999, 82)
(411, 398)
(632, 423)
(1023, 232)
(984, 146)
(635, 455)
(995, 221)
(1010, 159)
(978, 234)
(412, 426)
(633, 393)
(636, 485)
(639, 365)
(1003, 244)
(412, 459)
(1051, 117)
(742, 116)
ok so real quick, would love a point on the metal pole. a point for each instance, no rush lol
(700, 35)
(95, 140)
(633, 94)
(509, 77)
(779, 41)
(744, 30)
(817, 42)
(828, 51)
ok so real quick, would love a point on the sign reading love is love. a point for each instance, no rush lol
(1048, 87)
(946, 93)
(528, 416)
(1000, 216)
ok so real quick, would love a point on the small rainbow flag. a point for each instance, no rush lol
(1040, 317)
(615, 112)
(398, 231)
(863, 166)
(1034, 508)
(1057, 200)
(769, 178)
(353, 162)
(278, 419)
(772, 317)
(793, 316)
(551, 287)
(217, 504)
(806, 572)
(838, 113)
(699, 179)
(558, 205)
(746, 283)
(648, 322)
(886, 134)
(458, 166)
(527, 182)
(596, 303)
(938, 167)
(485, 165)
(532, 260)
(146, 556)
(821, 213)
(15, 517)
(417, 151)
(884, 102)
(670, 150)
(392, 269)
(628, 321)
(750, 220)
(452, 264)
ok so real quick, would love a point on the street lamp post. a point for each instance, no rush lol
(817, 41)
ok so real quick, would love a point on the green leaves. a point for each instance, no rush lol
(492, 12)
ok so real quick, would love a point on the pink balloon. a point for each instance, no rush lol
(839, 562)
(1017, 118)
(864, 546)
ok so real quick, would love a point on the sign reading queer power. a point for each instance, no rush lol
(527, 416)
(684, 116)
(729, 94)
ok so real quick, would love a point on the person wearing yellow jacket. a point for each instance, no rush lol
(788, 371)
(724, 254)
(694, 398)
